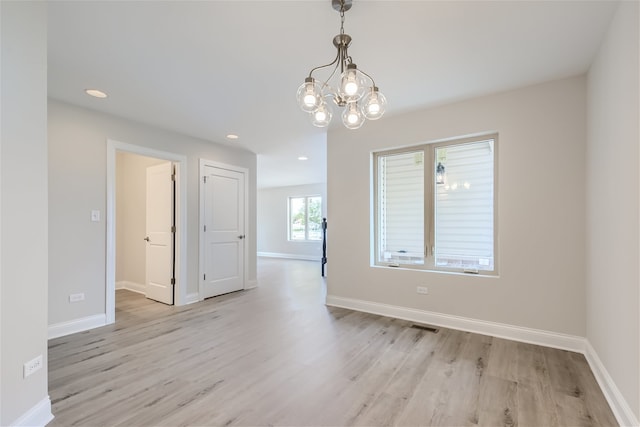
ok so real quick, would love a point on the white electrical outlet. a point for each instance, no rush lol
(76, 297)
(422, 290)
(95, 216)
(32, 366)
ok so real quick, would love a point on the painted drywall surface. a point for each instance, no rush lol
(272, 220)
(77, 184)
(131, 219)
(23, 201)
(541, 218)
(613, 280)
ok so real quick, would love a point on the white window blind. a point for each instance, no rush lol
(464, 207)
(401, 208)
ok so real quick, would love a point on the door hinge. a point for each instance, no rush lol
(204, 277)
(173, 176)
(173, 280)
(204, 179)
(205, 228)
(173, 228)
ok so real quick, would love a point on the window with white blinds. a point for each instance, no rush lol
(435, 206)
(463, 211)
(401, 207)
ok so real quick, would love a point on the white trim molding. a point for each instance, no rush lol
(500, 330)
(251, 284)
(38, 415)
(623, 413)
(131, 286)
(192, 298)
(77, 325)
(289, 256)
(619, 406)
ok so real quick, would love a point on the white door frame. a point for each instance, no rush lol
(204, 163)
(180, 161)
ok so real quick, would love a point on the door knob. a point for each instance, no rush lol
(146, 238)
(241, 237)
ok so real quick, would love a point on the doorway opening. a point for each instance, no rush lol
(145, 195)
(139, 256)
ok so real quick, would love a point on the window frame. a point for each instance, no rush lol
(428, 150)
(306, 218)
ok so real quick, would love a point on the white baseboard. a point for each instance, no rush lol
(500, 330)
(191, 298)
(619, 406)
(251, 284)
(290, 256)
(131, 286)
(77, 325)
(40, 415)
(623, 413)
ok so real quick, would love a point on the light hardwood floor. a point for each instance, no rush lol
(276, 355)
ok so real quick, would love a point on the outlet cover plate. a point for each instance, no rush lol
(76, 297)
(32, 366)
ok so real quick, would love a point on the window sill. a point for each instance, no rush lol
(428, 270)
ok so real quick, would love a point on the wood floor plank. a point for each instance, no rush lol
(498, 402)
(276, 355)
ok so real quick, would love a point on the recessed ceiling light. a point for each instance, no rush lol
(303, 158)
(96, 93)
(232, 136)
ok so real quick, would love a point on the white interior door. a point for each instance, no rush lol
(223, 231)
(160, 256)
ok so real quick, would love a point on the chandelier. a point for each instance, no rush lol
(354, 90)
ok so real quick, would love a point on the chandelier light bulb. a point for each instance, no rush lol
(351, 88)
(322, 116)
(309, 100)
(309, 95)
(374, 104)
(351, 84)
(352, 118)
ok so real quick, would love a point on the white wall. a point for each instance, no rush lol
(131, 218)
(613, 255)
(272, 221)
(77, 184)
(23, 213)
(541, 218)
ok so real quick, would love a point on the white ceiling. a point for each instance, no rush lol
(209, 68)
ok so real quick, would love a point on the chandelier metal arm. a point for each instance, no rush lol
(370, 78)
(326, 82)
(326, 65)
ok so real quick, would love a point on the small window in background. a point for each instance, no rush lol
(305, 218)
